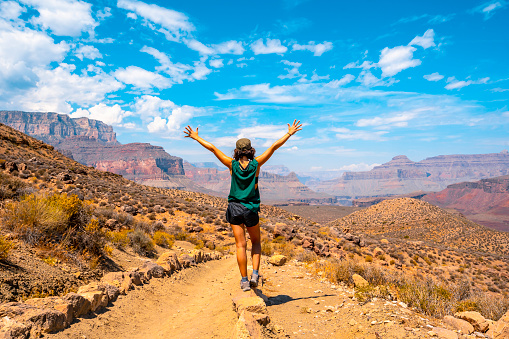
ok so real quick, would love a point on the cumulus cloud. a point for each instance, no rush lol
(292, 71)
(230, 47)
(366, 78)
(394, 60)
(10, 10)
(317, 49)
(200, 71)
(271, 46)
(59, 88)
(216, 63)
(433, 76)
(141, 78)
(175, 25)
(425, 41)
(453, 83)
(178, 72)
(174, 122)
(87, 52)
(63, 17)
(341, 82)
(347, 134)
(151, 106)
(111, 115)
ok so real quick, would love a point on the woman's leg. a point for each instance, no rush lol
(240, 243)
(256, 250)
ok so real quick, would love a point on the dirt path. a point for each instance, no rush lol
(195, 303)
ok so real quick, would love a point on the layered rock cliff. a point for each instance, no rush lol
(485, 202)
(53, 127)
(94, 143)
(273, 187)
(402, 176)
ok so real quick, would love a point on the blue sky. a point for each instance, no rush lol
(369, 79)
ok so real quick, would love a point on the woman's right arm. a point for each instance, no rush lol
(190, 133)
(294, 128)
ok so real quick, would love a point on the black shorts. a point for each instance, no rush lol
(238, 214)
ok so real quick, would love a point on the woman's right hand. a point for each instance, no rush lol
(191, 133)
(295, 127)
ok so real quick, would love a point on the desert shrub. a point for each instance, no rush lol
(119, 239)
(163, 239)
(5, 248)
(368, 258)
(93, 238)
(141, 243)
(267, 247)
(183, 236)
(10, 187)
(305, 255)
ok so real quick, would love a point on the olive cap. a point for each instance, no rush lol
(243, 144)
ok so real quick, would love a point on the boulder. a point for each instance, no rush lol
(377, 251)
(501, 327)
(135, 277)
(458, 324)
(307, 244)
(443, 333)
(359, 281)
(127, 284)
(169, 261)
(246, 327)
(11, 166)
(475, 318)
(80, 305)
(12, 329)
(97, 299)
(186, 260)
(113, 278)
(384, 241)
(110, 290)
(55, 303)
(278, 260)
(197, 255)
(39, 320)
(152, 270)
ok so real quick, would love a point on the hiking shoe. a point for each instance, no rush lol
(244, 285)
(254, 280)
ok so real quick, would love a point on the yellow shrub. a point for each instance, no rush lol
(108, 250)
(119, 239)
(163, 239)
(5, 248)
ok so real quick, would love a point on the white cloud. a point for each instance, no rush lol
(272, 132)
(366, 78)
(425, 41)
(400, 119)
(111, 115)
(88, 52)
(141, 78)
(453, 83)
(63, 17)
(57, 89)
(10, 10)
(262, 93)
(489, 8)
(364, 65)
(362, 167)
(195, 45)
(316, 77)
(272, 46)
(317, 49)
(178, 72)
(347, 134)
(341, 82)
(151, 106)
(158, 125)
(433, 76)
(216, 63)
(293, 71)
(394, 60)
(200, 71)
(229, 47)
(175, 24)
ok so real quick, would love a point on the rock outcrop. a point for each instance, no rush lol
(402, 176)
(485, 202)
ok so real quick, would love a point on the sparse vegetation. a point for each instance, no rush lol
(5, 247)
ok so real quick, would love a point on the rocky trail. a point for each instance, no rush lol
(197, 303)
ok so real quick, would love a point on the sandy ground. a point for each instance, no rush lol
(195, 303)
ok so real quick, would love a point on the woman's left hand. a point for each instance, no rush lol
(295, 127)
(190, 133)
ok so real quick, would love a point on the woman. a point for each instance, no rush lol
(244, 197)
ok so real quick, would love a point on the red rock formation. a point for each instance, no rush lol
(53, 127)
(485, 202)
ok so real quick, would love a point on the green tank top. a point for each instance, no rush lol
(242, 189)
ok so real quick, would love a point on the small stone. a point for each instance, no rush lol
(359, 281)
(278, 260)
(352, 322)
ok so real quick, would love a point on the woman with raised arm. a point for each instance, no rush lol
(244, 197)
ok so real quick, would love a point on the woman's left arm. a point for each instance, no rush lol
(190, 133)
